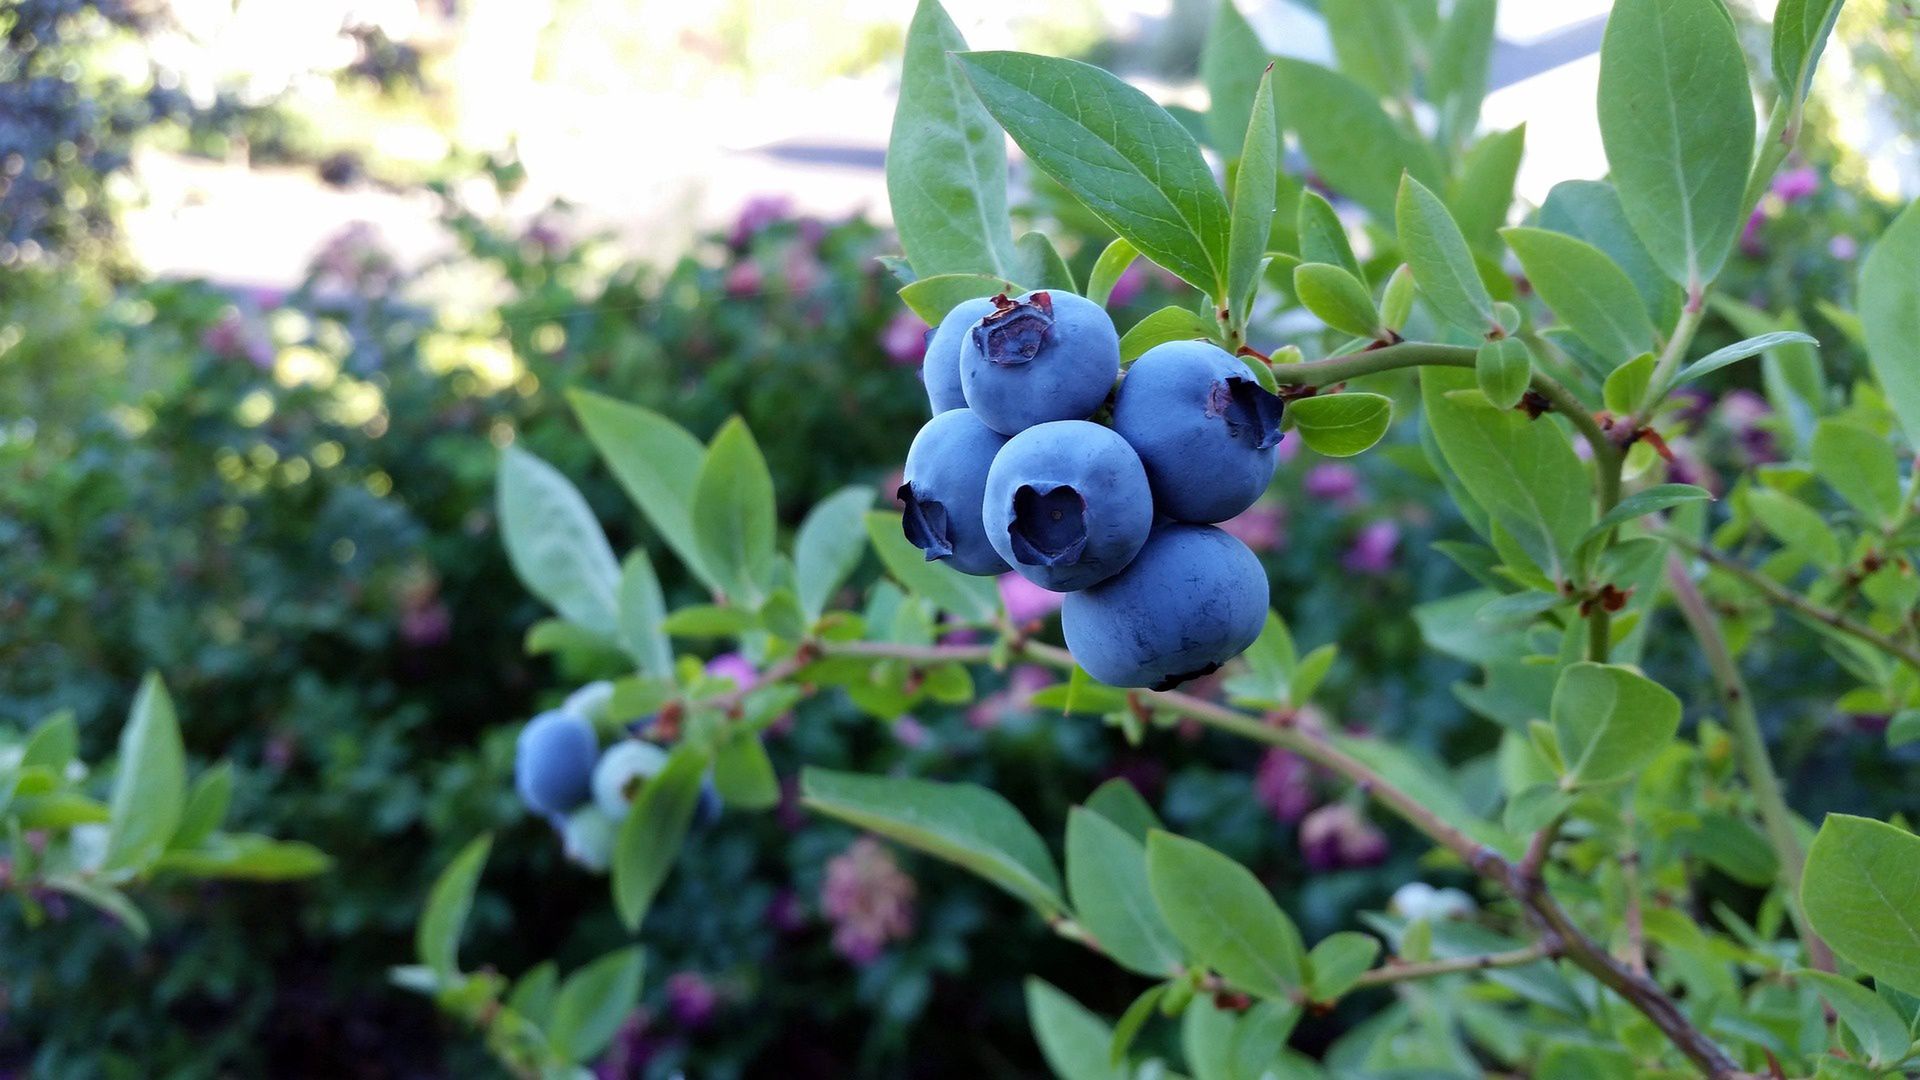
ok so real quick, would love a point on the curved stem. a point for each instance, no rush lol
(1787, 598)
(1393, 973)
(1754, 760)
(1558, 930)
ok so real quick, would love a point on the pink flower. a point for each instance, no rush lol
(1026, 601)
(236, 337)
(692, 999)
(1284, 785)
(731, 665)
(427, 625)
(1289, 449)
(785, 912)
(1261, 526)
(1372, 551)
(1333, 481)
(1796, 184)
(1022, 683)
(1843, 247)
(743, 278)
(905, 339)
(1336, 836)
(758, 213)
(911, 733)
(1128, 286)
(869, 900)
(1750, 244)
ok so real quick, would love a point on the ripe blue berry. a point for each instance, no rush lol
(1193, 599)
(553, 763)
(623, 770)
(940, 370)
(946, 477)
(1047, 355)
(1208, 434)
(1067, 504)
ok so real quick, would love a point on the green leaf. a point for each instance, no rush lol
(105, 897)
(1396, 300)
(643, 616)
(655, 460)
(1676, 116)
(1626, 386)
(593, 1002)
(1253, 202)
(1904, 728)
(1231, 62)
(1338, 299)
(1481, 195)
(1133, 1020)
(831, 541)
(1503, 368)
(709, 621)
(1610, 721)
(1076, 1044)
(206, 806)
(1113, 262)
(1107, 883)
(53, 744)
(555, 544)
(1795, 524)
(1641, 503)
(1457, 81)
(743, 774)
(1167, 324)
(1800, 29)
(1882, 1034)
(1040, 263)
(650, 838)
(1224, 916)
(1116, 151)
(1443, 266)
(1890, 313)
(246, 857)
(1739, 351)
(973, 598)
(1338, 961)
(1121, 803)
(1370, 42)
(932, 297)
(1860, 466)
(1271, 663)
(533, 993)
(1523, 472)
(1341, 425)
(150, 784)
(1587, 291)
(437, 939)
(1323, 239)
(733, 514)
(964, 824)
(1348, 139)
(1861, 891)
(946, 165)
(1590, 210)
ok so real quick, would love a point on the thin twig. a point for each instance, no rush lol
(1787, 598)
(1754, 759)
(1393, 972)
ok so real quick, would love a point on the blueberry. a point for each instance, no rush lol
(1208, 434)
(623, 770)
(1067, 504)
(587, 836)
(946, 476)
(1045, 356)
(553, 763)
(707, 810)
(1193, 599)
(940, 370)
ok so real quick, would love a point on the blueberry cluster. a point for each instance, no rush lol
(1013, 473)
(563, 775)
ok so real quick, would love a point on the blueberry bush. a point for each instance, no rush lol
(1627, 889)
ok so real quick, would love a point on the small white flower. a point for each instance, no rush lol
(1419, 900)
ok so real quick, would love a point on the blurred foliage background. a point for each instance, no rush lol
(279, 494)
